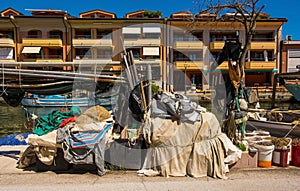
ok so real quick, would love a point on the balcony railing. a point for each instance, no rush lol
(6, 42)
(216, 45)
(188, 45)
(189, 65)
(266, 45)
(38, 56)
(92, 42)
(260, 39)
(261, 65)
(42, 42)
(222, 66)
(142, 42)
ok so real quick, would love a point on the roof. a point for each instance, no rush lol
(47, 12)
(206, 14)
(144, 14)
(128, 15)
(8, 11)
(182, 14)
(82, 14)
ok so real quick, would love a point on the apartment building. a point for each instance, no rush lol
(290, 55)
(179, 48)
(197, 42)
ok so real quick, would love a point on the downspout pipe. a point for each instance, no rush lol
(71, 35)
(280, 56)
(16, 35)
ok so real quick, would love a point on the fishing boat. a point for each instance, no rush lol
(280, 122)
(275, 128)
(291, 81)
(55, 101)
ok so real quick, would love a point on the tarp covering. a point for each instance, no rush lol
(52, 121)
(294, 89)
(14, 139)
(195, 149)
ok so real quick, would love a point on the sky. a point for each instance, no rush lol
(276, 8)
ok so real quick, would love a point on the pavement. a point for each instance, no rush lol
(12, 178)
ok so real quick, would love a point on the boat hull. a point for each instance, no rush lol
(276, 129)
(57, 102)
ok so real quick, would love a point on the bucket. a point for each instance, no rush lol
(296, 155)
(265, 154)
(281, 157)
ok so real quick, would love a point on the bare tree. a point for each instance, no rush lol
(246, 12)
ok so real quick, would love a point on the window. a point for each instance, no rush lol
(83, 33)
(34, 34)
(55, 34)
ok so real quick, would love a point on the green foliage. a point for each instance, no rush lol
(155, 89)
(241, 146)
(152, 14)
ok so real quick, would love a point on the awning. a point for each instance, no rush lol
(151, 30)
(131, 30)
(151, 51)
(27, 49)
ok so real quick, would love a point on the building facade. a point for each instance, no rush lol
(290, 55)
(179, 48)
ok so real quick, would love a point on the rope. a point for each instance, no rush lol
(292, 129)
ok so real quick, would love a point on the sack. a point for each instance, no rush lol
(136, 100)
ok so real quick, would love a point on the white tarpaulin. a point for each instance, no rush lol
(195, 149)
(28, 49)
(151, 51)
(131, 30)
(151, 30)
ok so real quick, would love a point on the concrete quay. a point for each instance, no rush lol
(12, 178)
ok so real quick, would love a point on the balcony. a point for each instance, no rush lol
(104, 59)
(190, 65)
(6, 42)
(92, 42)
(142, 42)
(262, 45)
(216, 45)
(261, 65)
(49, 58)
(49, 42)
(188, 45)
(148, 61)
(223, 66)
